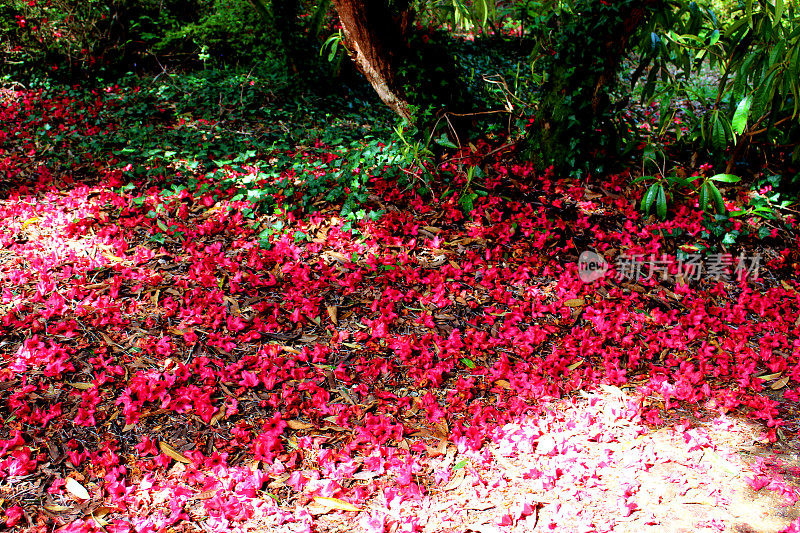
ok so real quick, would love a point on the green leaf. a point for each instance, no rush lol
(642, 178)
(730, 238)
(683, 182)
(655, 43)
(740, 115)
(468, 363)
(704, 196)
(714, 37)
(716, 197)
(649, 197)
(780, 5)
(661, 202)
(726, 178)
(762, 100)
(718, 137)
(444, 141)
(461, 464)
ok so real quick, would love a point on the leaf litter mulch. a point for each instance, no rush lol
(166, 369)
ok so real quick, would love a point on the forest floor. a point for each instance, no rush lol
(173, 359)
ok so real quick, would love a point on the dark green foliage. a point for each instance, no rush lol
(81, 37)
(297, 153)
(222, 31)
(580, 53)
(751, 106)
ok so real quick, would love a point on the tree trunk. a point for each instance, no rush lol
(376, 37)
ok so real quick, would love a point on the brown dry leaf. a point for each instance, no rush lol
(219, 415)
(107, 339)
(456, 480)
(441, 429)
(102, 511)
(334, 427)
(574, 302)
(335, 256)
(278, 482)
(234, 305)
(100, 521)
(76, 489)
(573, 366)
(113, 258)
(128, 427)
(82, 386)
(781, 383)
(57, 508)
(316, 509)
(336, 503)
(297, 425)
(503, 384)
(333, 314)
(440, 450)
(168, 450)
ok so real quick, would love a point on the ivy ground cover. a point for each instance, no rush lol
(172, 360)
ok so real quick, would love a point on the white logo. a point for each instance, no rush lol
(591, 266)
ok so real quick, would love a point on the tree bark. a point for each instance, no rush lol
(376, 37)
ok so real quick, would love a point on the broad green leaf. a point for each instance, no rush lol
(675, 37)
(661, 202)
(762, 100)
(726, 178)
(777, 53)
(444, 141)
(655, 43)
(704, 196)
(716, 197)
(642, 178)
(780, 5)
(649, 197)
(718, 137)
(739, 122)
(714, 37)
